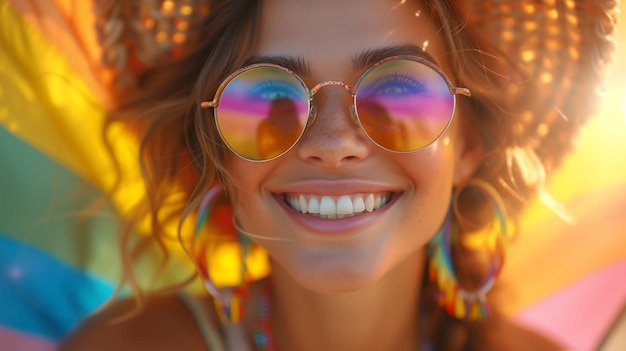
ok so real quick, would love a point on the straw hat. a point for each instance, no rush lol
(559, 50)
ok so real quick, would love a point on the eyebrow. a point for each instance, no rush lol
(360, 61)
(296, 64)
(369, 57)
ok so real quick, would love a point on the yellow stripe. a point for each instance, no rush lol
(44, 102)
(47, 104)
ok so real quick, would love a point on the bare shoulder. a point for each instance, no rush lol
(516, 337)
(163, 323)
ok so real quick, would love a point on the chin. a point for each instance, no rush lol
(328, 275)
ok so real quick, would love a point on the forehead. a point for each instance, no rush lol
(328, 34)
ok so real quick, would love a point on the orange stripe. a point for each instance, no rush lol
(44, 102)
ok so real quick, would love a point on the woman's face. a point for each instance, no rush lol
(335, 161)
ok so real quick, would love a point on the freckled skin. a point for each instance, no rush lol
(334, 148)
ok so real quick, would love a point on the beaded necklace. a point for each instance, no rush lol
(263, 335)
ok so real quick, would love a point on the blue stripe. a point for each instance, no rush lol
(46, 205)
(42, 295)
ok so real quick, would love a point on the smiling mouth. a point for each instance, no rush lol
(337, 207)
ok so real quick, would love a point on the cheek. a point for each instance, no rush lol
(446, 160)
(432, 175)
(432, 168)
(244, 182)
(245, 176)
(252, 203)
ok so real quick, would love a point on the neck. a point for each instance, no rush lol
(383, 316)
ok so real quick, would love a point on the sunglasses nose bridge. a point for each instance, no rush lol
(313, 110)
(319, 86)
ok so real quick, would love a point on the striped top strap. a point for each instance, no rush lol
(210, 334)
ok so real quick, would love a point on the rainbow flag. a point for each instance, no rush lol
(58, 256)
(58, 261)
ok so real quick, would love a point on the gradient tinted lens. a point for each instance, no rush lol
(404, 105)
(262, 112)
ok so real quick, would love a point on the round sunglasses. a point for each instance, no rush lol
(402, 103)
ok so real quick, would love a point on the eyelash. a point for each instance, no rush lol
(273, 86)
(408, 81)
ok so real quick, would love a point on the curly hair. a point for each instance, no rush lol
(182, 155)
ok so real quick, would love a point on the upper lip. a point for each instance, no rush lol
(336, 188)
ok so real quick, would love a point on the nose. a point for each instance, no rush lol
(334, 138)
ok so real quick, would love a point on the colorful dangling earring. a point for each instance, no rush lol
(457, 301)
(228, 300)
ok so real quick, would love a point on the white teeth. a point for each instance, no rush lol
(327, 206)
(344, 205)
(337, 207)
(302, 206)
(294, 204)
(358, 205)
(314, 206)
(369, 203)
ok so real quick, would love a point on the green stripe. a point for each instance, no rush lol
(39, 204)
(40, 201)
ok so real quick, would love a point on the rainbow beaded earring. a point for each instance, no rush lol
(228, 299)
(457, 301)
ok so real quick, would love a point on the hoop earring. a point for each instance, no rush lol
(228, 300)
(457, 301)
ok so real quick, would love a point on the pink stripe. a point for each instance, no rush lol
(580, 315)
(15, 341)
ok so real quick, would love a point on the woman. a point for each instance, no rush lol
(414, 132)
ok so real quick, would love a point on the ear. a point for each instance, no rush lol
(470, 151)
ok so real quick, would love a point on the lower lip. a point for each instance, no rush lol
(337, 227)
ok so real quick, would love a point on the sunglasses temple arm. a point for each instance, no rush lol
(207, 104)
(461, 91)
